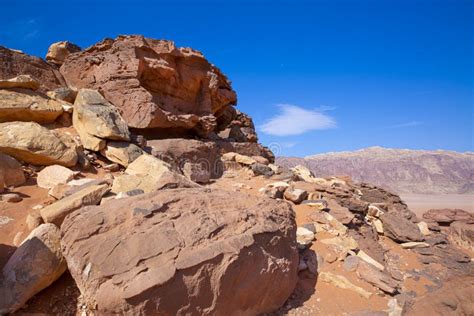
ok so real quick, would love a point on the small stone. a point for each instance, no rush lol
(34, 219)
(11, 197)
(361, 254)
(113, 167)
(54, 175)
(295, 195)
(244, 160)
(377, 223)
(18, 239)
(411, 245)
(423, 226)
(304, 237)
(351, 263)
(262, 170)
(319, 204)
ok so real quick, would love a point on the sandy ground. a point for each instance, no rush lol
(420, 203)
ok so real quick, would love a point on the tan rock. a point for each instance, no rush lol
(36, 264)
(423, 226)
(11, 172)
(54, 175)
(26, 105)
(295, 195)
(215, 244)
(34, 219)
(21, 81)
(95, 119)
(63, 94)
(303, 173)
(377, 223)
(343, 283)
(122, 153)
(32, 143)
(414, 244)
(58, 52)
(244, 160)
(56, 212)
(229, 156)
(361, 254)
(343, 243)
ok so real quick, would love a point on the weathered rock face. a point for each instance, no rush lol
(10, 171)
(178, 151)
(95, 119)
(36, 264)
(58, 52)
(165, 253)
(32, 143)
(154, 83)
(15, 63)
(26, 105)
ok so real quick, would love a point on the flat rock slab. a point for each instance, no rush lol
(189, 251)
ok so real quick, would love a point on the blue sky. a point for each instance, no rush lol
(316, 76)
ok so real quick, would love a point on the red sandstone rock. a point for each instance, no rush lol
(183, 251)
(14, 63)
(154, 83)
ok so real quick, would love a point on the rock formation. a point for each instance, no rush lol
(132, 165)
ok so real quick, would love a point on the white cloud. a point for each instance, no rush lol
(294, 120)
(407, 124)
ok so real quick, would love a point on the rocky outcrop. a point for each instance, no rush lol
(58, 52)
(215, 253)
(96, 120)
(15, 63)
(36, 264)
(26, 105)
(154, 83)
(32, 143)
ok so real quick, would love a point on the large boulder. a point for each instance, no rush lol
(183, 251)
(154, 83)
(32, 143)
(15, 63)
(58, 52)
(26, 105)
(10, 171)
(95, 120)
(36, 264)
(399, 228)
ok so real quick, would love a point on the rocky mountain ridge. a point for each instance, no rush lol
(400, 170)
(129, 184)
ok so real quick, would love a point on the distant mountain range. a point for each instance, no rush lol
(400, 170)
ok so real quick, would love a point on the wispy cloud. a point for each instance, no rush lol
(295, 120)
(407, 124)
